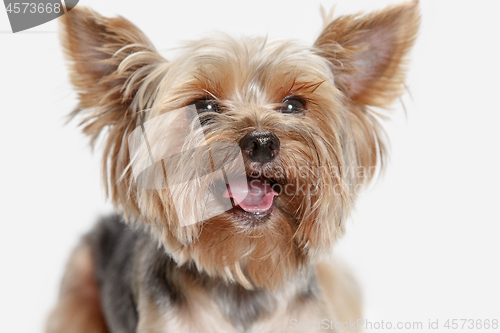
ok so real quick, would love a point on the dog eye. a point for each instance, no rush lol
(293, 105)
(206, 105)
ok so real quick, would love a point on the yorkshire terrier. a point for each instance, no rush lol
(232, 169)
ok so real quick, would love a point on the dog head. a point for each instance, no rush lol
(243, 156)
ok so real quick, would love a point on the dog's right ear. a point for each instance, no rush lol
(113, 67)
(96, 48)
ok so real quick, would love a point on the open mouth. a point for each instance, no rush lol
(254, 196)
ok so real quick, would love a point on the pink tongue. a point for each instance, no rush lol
(254, 196)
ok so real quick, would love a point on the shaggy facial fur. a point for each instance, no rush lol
(312, 105)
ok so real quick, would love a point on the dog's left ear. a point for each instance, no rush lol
(367, 52)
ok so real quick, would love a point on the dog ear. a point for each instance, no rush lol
(111, 63)
(367, 52)
(96, 48)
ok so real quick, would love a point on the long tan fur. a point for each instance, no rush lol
(326, 154)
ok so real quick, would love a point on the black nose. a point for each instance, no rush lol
(260, 146)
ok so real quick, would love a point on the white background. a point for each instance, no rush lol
(424, 241)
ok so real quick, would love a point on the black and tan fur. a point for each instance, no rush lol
(142, 270)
